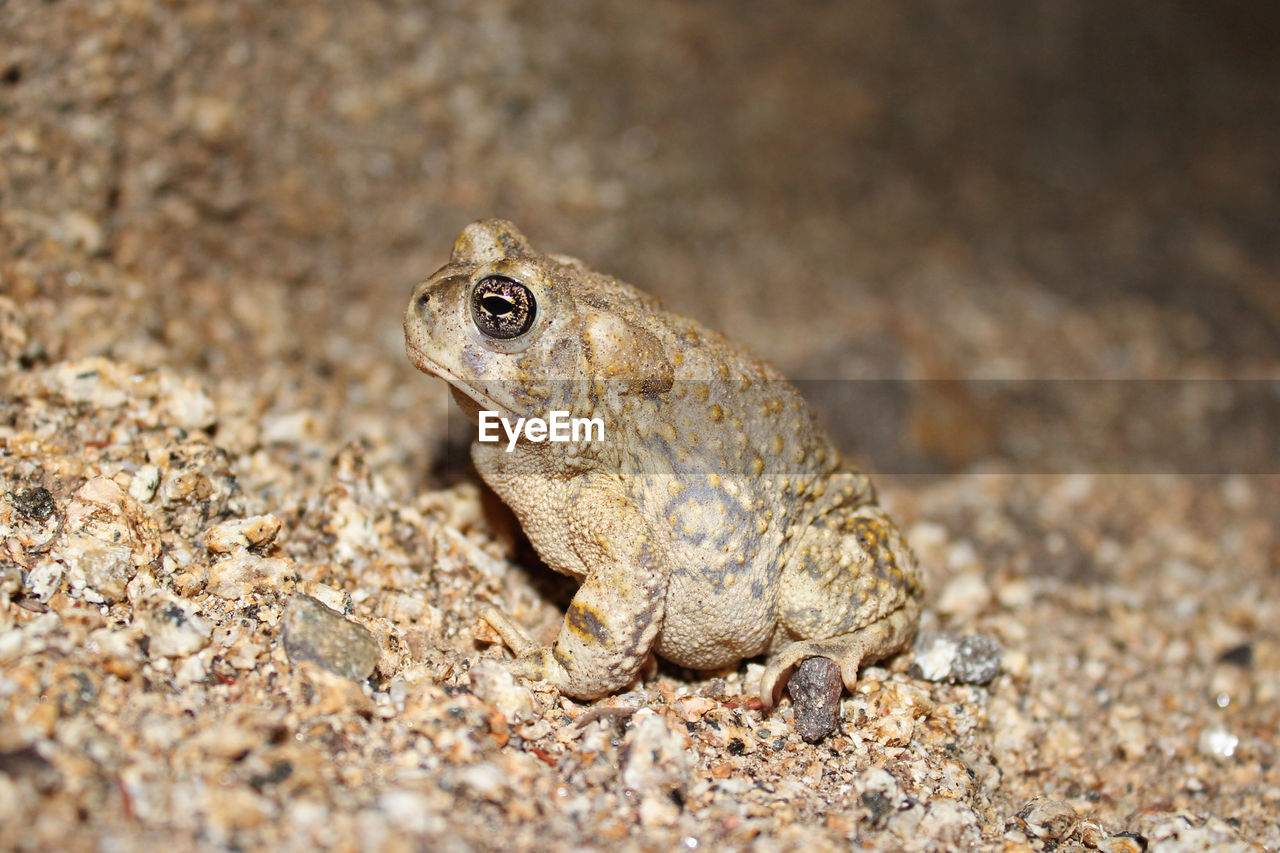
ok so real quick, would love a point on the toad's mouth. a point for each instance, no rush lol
(470, 399)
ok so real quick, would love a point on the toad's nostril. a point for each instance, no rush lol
(424, 298)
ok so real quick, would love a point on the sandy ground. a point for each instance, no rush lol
(239, 579)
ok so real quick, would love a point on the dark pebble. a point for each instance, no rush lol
(27, 763)
(1241, 655)
(313, 632)
(34, 503)
(815, 690)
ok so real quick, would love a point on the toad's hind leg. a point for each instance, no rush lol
(850, 592)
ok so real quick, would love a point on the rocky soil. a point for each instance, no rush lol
(241, 564)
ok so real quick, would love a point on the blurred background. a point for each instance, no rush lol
(1012, 189)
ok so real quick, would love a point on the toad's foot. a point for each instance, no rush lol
(581, 664)
(509, 631)
(892, 633)
(533, 662)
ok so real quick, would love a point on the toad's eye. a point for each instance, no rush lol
(502, 308)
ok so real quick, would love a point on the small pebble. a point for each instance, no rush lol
(97, 571)
(1218, 742)
(815, 688)
(36, 504)
(176, 630)
(338, 600)
(971, 659)
(313, 632)
(28, 763)
(1124, 842)
(10, 578)
(142, 487)
(244, 573)
(655, 767)
(1052, 820)
(188, 407)
(965, 595)
(44, 579)
(496, 686)
(256, 532)
(486, 781)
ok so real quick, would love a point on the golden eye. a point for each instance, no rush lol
(502, 307)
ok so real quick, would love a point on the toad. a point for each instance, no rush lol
(713, 521)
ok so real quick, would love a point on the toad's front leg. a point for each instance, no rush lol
(612, 622)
